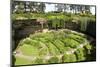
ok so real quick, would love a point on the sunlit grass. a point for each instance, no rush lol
(22, 61)
(29, 50)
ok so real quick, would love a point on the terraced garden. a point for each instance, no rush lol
(48, 33)
(61, 46)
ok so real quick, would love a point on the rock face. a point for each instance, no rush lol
(23, 28)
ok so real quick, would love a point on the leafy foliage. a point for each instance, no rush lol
(80, 55)
(53, 60)
(69, 58)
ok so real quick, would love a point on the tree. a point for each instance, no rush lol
(87, 9)
(72, 8)
(19, 7)
(30, 6)
(42, 7)
(59, 7)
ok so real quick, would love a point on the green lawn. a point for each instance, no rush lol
(22, 61)
(29, 50)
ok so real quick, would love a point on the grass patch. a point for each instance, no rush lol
(29, 50)
(22, 61)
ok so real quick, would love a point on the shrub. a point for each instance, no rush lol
(78, 38)
(88, 48)
(70, 43)
(69, 58)
(53, 60)
(38, 61)
(80, 55)
(60, 46)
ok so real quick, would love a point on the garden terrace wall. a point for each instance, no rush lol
(90, 27)
(77, 26)
(72, 25)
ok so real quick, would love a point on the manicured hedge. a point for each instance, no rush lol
(56, 46)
